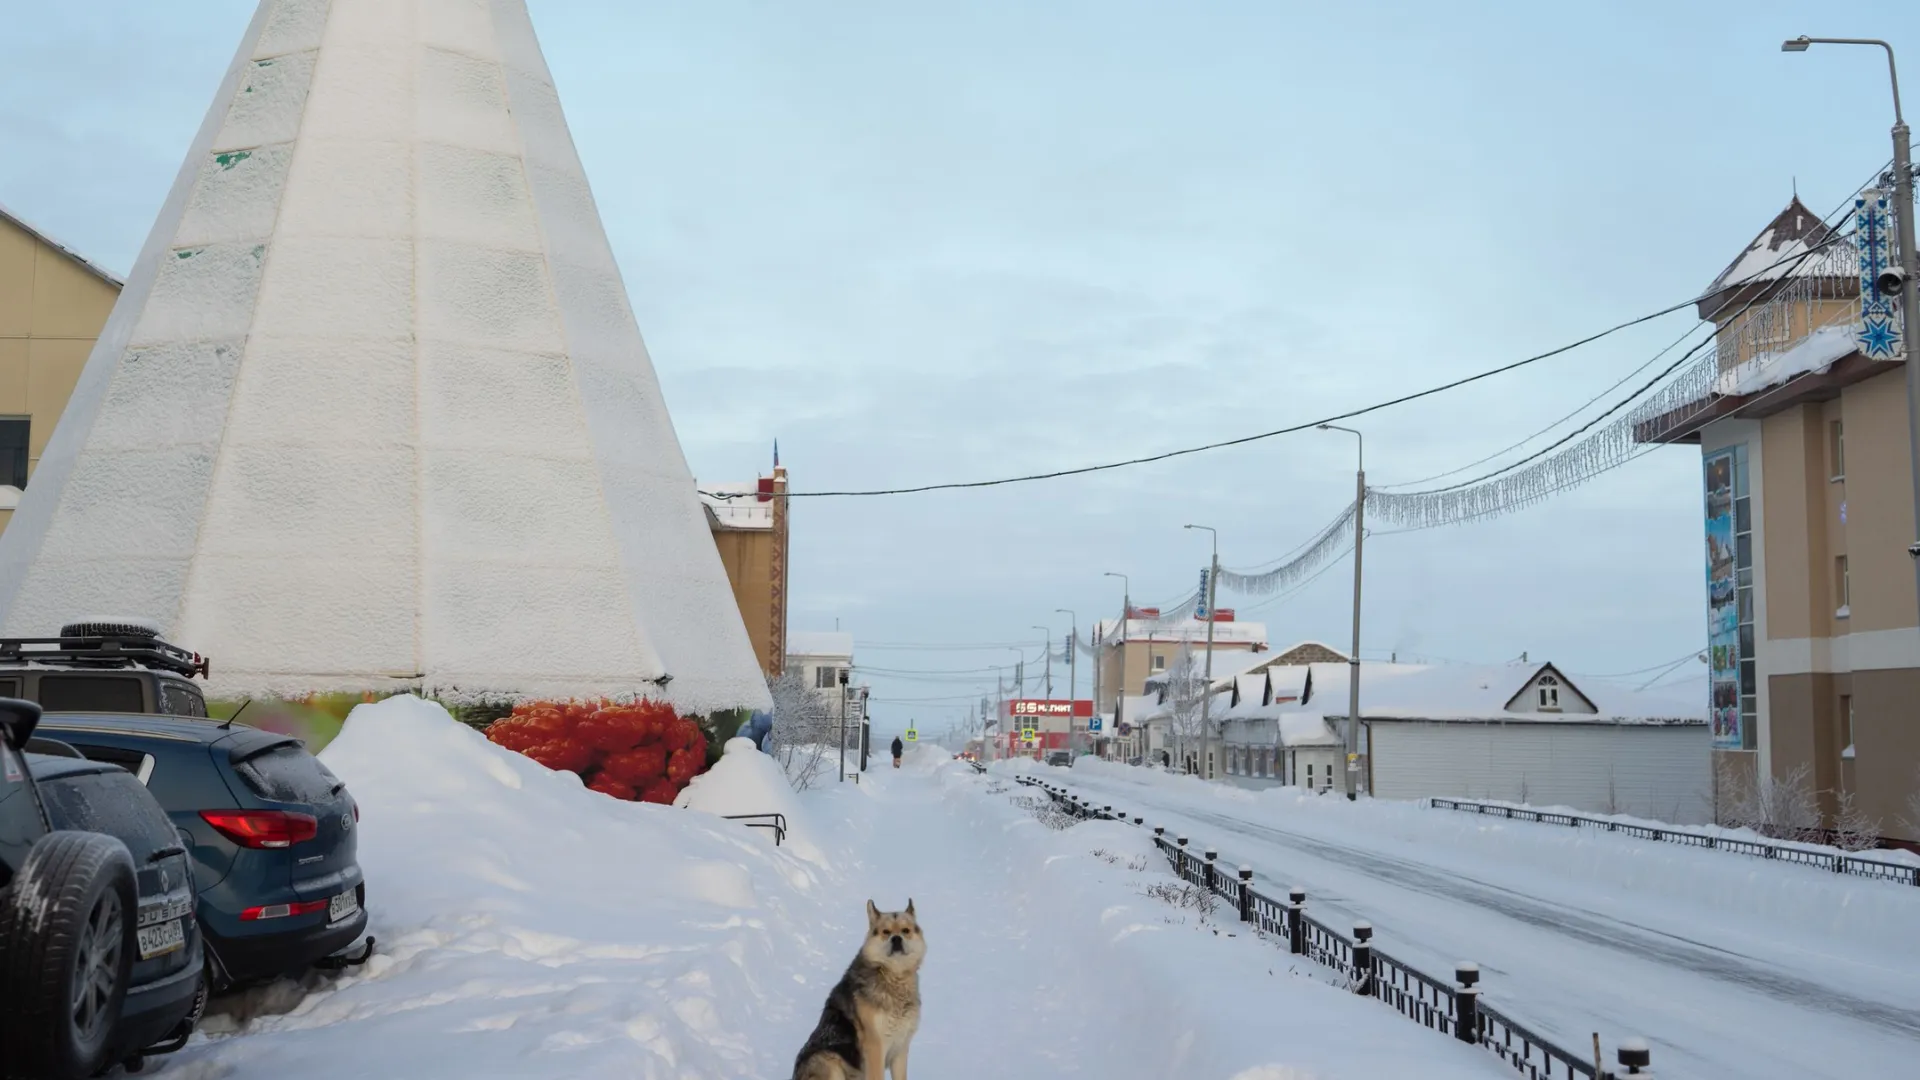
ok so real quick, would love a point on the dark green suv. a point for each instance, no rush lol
(104, 666)
(101, 959)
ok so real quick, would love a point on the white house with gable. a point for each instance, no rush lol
(1517, 732)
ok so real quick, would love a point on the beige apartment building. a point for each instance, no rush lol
(52, 306)
(1809, 512)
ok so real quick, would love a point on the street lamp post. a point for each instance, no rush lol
(1126, 616)
(1353, 661)
(1206, 691)
(1909, 266)
(1073, 671)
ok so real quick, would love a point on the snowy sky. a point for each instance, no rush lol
(959, 239)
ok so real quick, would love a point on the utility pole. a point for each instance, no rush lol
(1073, 671)
(1353, 661)
(1206, 690)
(1126, 616)
(843, 724)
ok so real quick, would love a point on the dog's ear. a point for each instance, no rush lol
(873, 915)
(909, 907)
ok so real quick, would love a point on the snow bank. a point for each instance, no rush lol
(1726, 892)
(557, 931)
(1220, 1001)
(746, 781)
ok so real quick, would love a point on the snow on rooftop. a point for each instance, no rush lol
(819, 643)
(1814, 353)
(1482, 692)
(742, 513)
(372, 410)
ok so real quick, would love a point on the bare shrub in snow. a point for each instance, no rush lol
(1184, 895)
(1783, 807)
(1046, 812)
(1137, 863)
(803, 730)
(1911, 822)
(1853, 830)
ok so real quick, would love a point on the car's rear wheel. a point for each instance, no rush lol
(67, 943)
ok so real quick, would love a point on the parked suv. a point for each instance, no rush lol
(103, 666)
(270, 830)
(100, 957)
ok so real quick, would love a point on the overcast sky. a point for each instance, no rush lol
(955, 240)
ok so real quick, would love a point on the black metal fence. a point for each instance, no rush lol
(1452, 1008)
(1898, 873)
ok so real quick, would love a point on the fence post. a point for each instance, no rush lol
(1635, 1058)
(1466, 1002)
(1138, 820)
(1297, 921)
(1246, 894)
(1158, 830)
(1212, 879)
(1363, 958)
(1180, 858)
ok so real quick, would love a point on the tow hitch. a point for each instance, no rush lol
(338, 961)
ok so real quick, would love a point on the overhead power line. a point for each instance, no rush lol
(1244, 439)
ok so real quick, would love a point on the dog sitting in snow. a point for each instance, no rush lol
(872, 1013)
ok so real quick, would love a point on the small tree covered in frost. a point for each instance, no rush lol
(803, 729)
(1783, 807)
(1186, 683)
(1911, 822)
(1853, 830)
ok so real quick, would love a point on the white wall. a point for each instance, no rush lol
(1655, 772)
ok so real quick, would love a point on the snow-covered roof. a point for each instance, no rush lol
(743, 513)
(829, 643)
(85, 263)
(1770, 257)
(1139, 708)
(1306, 729)
(1485, 692)
(372, 411)
(1228, 664)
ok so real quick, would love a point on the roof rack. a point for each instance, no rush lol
(104, 651)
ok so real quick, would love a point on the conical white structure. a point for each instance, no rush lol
(373, 409)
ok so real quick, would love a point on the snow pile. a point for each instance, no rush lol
(558, 932)
(746, 781)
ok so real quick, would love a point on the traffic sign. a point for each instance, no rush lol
(1093, 724)
(912, 735)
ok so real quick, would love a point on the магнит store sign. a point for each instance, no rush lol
(1042, 707)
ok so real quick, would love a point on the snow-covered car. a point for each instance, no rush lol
(100, 954)
(1061, 758)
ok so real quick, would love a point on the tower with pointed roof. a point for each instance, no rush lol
(372, 410)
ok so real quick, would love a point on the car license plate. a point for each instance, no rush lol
(343, 905)
(162, 938)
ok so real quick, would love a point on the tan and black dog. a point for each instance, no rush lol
(872, 1013)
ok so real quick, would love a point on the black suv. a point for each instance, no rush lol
(103, 666)
(100, 955)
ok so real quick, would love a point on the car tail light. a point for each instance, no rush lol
(281, 911)
(262, 828)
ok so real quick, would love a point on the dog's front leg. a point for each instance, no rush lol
(873, 1055)
(899, 1064)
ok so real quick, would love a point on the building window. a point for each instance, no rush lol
(1549, 692)
(1309, 776)
(1743, 580)
(1842, 587)
(1846, 726)
(1837, 451)
(1159, 663)
(14, 431)
(823, 678)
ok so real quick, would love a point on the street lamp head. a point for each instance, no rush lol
(1324, 427)
(1798, 44)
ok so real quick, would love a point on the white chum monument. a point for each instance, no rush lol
(372, 411)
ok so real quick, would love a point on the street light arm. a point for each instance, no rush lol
(1362, 439)
(1800, 44)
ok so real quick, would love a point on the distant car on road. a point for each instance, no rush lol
(271, 834)
(100, 956)
(1061, 758)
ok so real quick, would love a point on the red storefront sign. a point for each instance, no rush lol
(1041, 707)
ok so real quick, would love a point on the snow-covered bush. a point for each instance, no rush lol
(1783, 807)
(1853, 830)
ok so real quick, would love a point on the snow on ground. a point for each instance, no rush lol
(560, 933)
(1731, 966)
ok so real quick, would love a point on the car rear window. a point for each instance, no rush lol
(180, 699)
(113, 803)
(287, 773)
(91, 693)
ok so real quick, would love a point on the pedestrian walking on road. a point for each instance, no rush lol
(898, 749)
